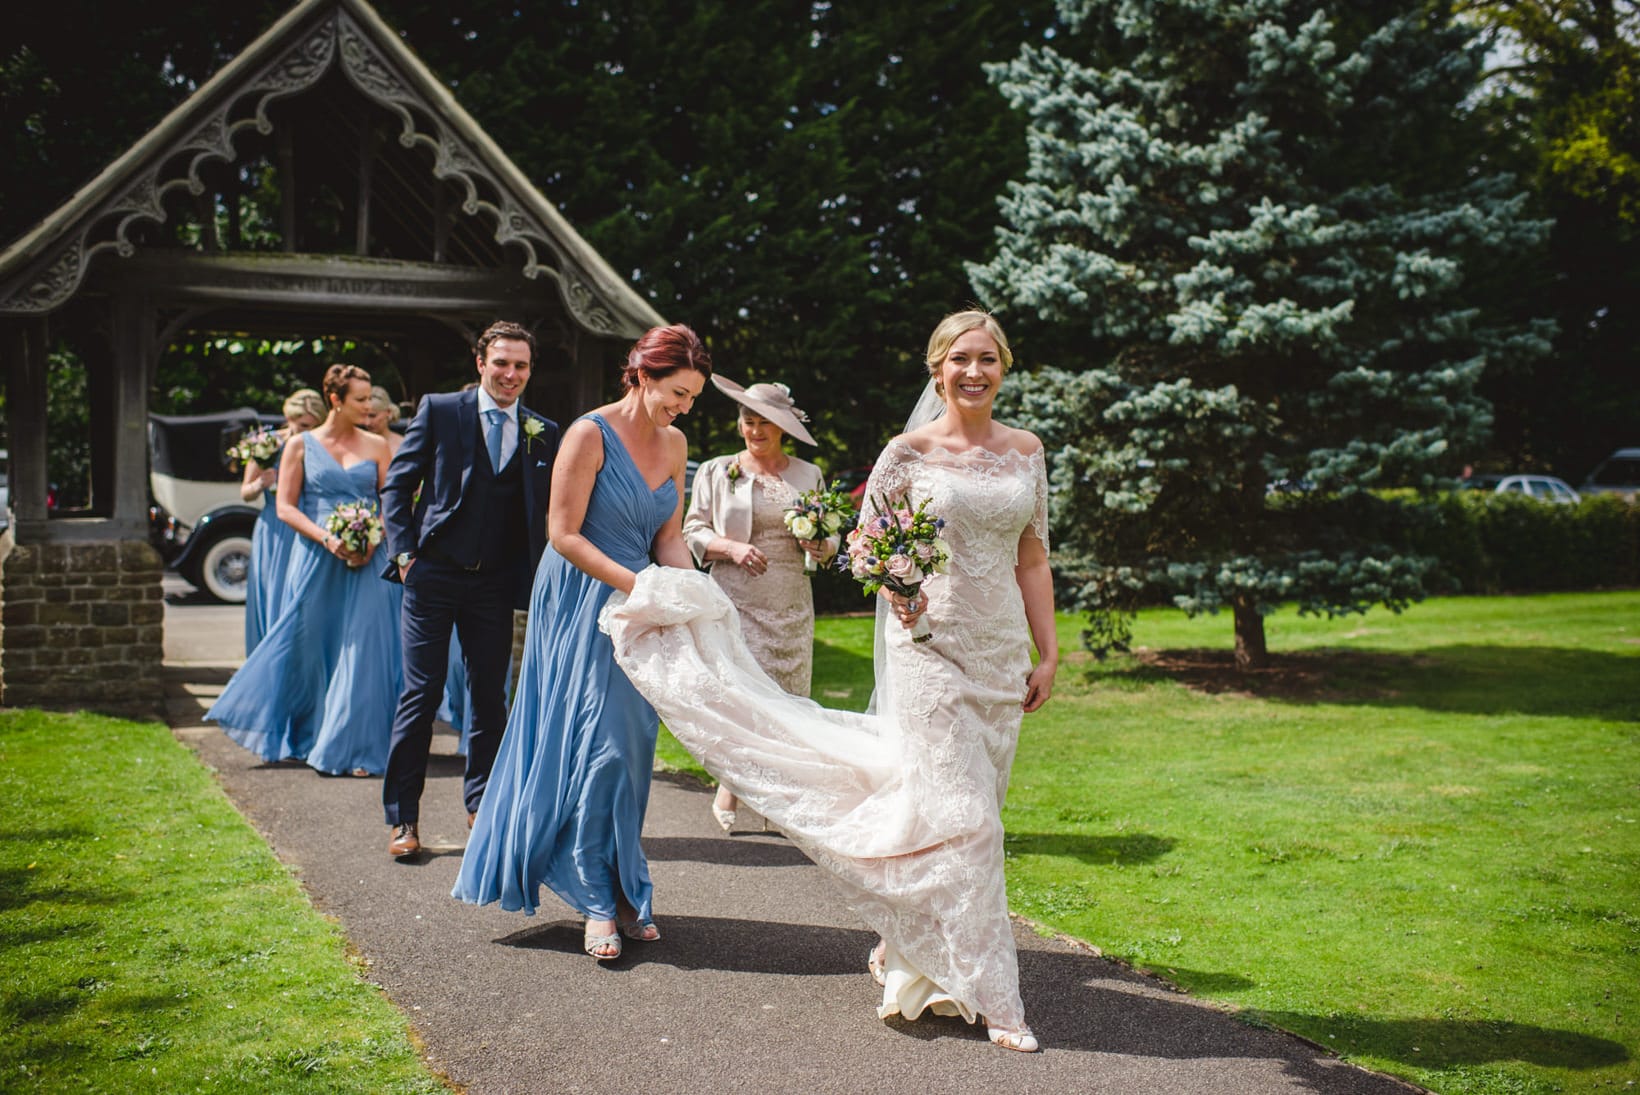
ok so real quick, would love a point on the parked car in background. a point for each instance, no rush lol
(1619, 474)
(1544, 488)
(197, 522)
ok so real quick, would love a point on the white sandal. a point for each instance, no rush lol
(592, 944)
(640, 931)
(1022, 1041)
(874, 963)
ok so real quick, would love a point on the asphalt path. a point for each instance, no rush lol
(758, 984)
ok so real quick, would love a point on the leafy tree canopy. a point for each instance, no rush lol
(802, 182)
(1562, 98)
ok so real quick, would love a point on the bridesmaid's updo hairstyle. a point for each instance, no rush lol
(662, 351)
(305, 401)
(337, 379)
(957, 324)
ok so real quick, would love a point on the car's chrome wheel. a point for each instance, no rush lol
(225, 569)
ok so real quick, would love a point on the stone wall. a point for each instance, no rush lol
(82, 626)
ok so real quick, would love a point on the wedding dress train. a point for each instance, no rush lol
(901, 806)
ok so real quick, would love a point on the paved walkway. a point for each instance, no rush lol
(759, 984)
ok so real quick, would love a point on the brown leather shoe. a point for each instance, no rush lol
(403, 841)
(472, 816)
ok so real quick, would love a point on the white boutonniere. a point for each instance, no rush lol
(532, 430)
(734, 469)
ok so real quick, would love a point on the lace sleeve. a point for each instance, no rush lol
(1039, 515)
(890, 479)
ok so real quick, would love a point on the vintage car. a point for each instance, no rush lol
(197, 520)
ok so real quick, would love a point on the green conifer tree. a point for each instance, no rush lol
(1259, 220)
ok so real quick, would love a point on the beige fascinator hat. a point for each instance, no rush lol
(772, 401)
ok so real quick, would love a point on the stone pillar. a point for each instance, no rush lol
(82, 626)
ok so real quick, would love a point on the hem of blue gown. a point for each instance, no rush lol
(255, 741)
(354, 770)
(510, 902)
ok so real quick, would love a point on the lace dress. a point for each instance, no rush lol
(902, 806)
(777, 606)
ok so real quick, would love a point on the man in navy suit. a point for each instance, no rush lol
(465, 510)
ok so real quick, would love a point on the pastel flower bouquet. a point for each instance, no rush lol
(260, 444)
(898, 548)
(356, 525)
(817, 514)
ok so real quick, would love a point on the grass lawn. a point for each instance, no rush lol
(151, 942)
(1416, 840)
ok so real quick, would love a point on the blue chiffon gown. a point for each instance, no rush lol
(323, 683)
(570, 786)
(457, 706)
(271, 540)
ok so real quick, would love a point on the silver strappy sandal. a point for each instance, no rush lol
(592, 944)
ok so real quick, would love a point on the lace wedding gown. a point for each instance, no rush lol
(902, 806)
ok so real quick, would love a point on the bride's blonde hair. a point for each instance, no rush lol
(957, 324)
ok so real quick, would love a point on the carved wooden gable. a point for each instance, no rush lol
(343, 117)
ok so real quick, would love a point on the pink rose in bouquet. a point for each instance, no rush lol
(898, 548)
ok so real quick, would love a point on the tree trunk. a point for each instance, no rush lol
(1251, 653)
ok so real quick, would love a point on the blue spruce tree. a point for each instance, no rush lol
(1259, 225)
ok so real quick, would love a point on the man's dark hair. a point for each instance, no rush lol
(503, 329)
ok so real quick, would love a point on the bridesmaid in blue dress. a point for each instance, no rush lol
(320, 685)
(454, 709)
(271, 538)
(570, 786)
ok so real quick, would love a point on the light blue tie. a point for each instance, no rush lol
(493, 437)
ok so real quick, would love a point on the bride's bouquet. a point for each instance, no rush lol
(356, 525)
(260, 445)
(816, 514)
(898, 548)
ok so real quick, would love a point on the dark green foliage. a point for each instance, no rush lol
(1491, 543)
(800, 182)
(1563, 102)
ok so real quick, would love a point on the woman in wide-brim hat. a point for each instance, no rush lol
(736, 528)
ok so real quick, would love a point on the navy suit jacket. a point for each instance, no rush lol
(436, 459)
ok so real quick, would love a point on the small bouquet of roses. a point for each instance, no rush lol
(898, 547)
(817, 514)
(260, 445)
(356, 525)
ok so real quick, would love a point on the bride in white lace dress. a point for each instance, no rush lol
(902, 806)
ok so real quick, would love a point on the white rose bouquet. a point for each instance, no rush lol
(817, 514)
(356, 525)
(899, 547)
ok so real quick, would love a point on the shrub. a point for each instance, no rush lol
(1504, 543)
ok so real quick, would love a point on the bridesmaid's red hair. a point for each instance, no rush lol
(663, 351)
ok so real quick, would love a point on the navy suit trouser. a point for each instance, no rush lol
(478, 607)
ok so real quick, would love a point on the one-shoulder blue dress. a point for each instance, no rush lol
(271, 540)
(322, 684)
(570, 786)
